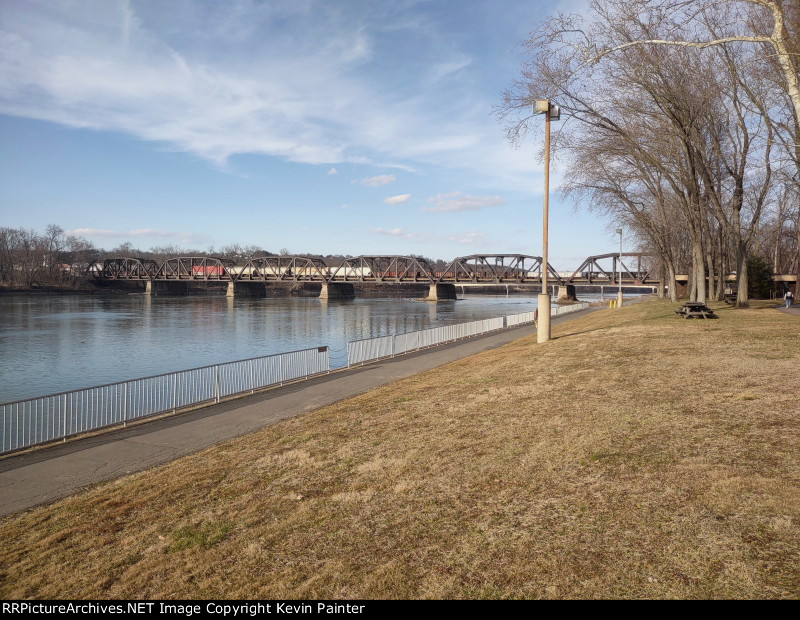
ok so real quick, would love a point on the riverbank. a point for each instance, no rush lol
(634, 455)
(50, 289)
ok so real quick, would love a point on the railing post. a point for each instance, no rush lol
(174, 392)
(125, 404)
(216, 383)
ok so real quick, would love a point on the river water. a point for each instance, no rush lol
(50, 344)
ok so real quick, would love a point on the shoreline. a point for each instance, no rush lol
(216, 423)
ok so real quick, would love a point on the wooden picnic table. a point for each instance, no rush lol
(696, 310)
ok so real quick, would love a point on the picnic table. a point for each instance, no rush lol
(696, 310)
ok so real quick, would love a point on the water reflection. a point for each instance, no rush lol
(49, 344)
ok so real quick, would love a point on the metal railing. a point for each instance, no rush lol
(519, 319)
(29, 422)
(368, 349)
(26, 423)
(581, 305)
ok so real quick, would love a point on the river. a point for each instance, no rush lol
(50, 344)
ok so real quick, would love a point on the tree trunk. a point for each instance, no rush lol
(711, 279)
(673, 283)
(742, 290)
(797, 271)
(698, 269)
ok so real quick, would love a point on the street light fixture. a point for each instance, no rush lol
(551, 112)
(619, 268)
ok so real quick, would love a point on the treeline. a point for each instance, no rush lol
(54, 258)
(28, 258)
(681, 121)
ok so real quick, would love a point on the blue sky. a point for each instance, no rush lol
(316, 126)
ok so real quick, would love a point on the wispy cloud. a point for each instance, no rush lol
(393, 232)
(470, 238)
(397, 200)
(449, 67)
(401, 233)
(459, 201)
(302, 81)
(94, 232)
(377, 181)
(141, 233)
(332, 171)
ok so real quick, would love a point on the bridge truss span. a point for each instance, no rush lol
(124, 268)
(283, 269)
(384, 270)
(196, 268)
(592, 272)
(497, 269)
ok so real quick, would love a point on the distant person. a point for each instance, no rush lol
(788, 298)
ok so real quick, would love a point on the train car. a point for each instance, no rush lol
(353, 272)
(208, 270)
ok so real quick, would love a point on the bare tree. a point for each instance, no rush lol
(697, 124)
(778, 32)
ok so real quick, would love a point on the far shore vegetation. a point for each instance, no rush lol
(56, 260)
(635, 455)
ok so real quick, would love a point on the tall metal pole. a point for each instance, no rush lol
(543, 326)
(619, 268)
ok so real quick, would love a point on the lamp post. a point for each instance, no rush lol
(619, 269)
(551, 112)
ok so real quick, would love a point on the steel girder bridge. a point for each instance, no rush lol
(476, 269)
(592, 272)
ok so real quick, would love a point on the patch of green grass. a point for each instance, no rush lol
(205, 535)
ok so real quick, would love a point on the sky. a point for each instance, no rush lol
(328, 127)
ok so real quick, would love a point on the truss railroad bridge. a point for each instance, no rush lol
(630, 270)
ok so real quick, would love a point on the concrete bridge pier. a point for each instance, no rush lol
(566, 293)
(246, 289)
(337, 290)
(441, 292)
(166, 288)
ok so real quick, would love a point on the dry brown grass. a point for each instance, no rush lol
(635, 455)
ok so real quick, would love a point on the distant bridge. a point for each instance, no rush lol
(475, 270)
(628, 269)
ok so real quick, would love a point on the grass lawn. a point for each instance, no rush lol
(637, 454)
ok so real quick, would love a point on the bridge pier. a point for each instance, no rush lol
(246, 289)
(441, 292)
(337, 290)
(154, 287)
(566, 293)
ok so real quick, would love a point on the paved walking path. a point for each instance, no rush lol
(44, 475)
(795, 310)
